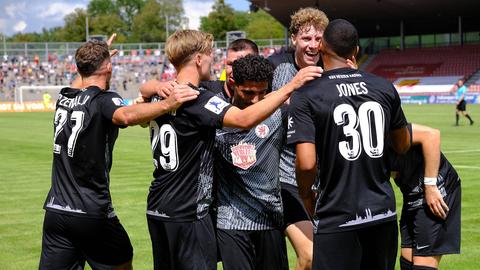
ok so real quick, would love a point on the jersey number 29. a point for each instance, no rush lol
(166, 136)
(368, 113)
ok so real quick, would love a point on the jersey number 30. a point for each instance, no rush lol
(372, 137)
(166, 136)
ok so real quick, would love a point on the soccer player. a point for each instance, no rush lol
(249, 204)
(180, 196)
(80, 223)
(461, 103)
(340, 121)
(430, 221)
(306, 28)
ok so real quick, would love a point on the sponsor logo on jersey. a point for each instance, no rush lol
(290, 122)
(118, 101)
(262, 131)
(216, 105)
(244, 155)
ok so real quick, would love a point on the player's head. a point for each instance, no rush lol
(191, 47)
(237, 49)
(306, 28)
(252, 76)
(93, 59)
(340, 39)
(460, 83)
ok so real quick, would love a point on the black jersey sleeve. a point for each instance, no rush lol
(300, 127)
(398, 117)
(207, 110)
(109, 102)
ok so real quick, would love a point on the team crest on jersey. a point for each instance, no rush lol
(216, 105)
(262, 131)
(244, 155)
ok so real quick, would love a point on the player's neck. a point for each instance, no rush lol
(99, 81)
(333, 62)
(188, 74)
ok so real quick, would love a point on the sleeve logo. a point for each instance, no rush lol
(216, 105)
(118, 101)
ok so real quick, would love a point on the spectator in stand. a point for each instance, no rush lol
(461, 103)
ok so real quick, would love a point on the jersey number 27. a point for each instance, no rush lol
(368, 113)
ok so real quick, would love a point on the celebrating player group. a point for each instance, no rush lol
(302, 144)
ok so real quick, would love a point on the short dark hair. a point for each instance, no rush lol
(341, 37)
(242, 44)
(90, 56)
(252, 68)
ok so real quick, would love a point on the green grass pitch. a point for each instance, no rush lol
(25, 165)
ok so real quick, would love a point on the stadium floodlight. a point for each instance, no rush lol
(38, 90)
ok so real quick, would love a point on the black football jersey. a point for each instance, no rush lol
(84, 136)
(347, 114)
(214, 86)
(182, 145)
(410, 169)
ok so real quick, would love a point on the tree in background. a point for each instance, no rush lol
(219, 21)
(263, 25)
(74, 28)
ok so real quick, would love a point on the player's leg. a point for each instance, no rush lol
(299, 228)
(337, 251)
(406, 260)
(58, 250)
(379, 246)
(407, 238)
(104, 242)
(236, 249)
(270, 250)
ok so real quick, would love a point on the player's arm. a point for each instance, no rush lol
(401, 139)
(305, 164)
(156, 87)
(429, 138)
(144, 112)
(256, 113)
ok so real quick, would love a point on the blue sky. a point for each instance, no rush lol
(32, 15)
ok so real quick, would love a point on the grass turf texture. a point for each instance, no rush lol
(26, 153)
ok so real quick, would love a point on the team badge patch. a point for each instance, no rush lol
(262, 131)
(244, 155)
(216, 105)
(118, 101)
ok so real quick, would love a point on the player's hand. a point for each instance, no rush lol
(304, 75)
(435, 201)
(164, 89)
(181, 93)
(109, 43)
(352, 63)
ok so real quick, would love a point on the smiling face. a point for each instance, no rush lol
(307, 42)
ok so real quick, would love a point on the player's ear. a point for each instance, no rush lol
(198, 59)
(355, 53)
(294, 41)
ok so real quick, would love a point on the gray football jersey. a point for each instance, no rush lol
(246, 173)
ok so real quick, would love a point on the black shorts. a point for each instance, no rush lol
(373, 247)
(293, 208)
(429, 235)
(252, 250)
(68, 241)
(183, 245)
(462, 106)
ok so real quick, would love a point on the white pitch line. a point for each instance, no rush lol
(462, 151)
(467, 167)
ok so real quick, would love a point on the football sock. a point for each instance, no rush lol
(405, 264)
(421, 267)
(456, 119)
(469, 118)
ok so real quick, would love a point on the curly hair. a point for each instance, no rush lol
(306, 17)
(252, 68)
(90, 56)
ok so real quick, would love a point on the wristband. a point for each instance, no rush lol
(430, 181)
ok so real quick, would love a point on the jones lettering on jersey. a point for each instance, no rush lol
(244, 155)
(72, 102)
(351, 89)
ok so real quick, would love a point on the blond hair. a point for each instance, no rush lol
(182, 45)
(304, 18)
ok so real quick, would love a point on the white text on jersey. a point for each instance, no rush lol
(352, 89)
(72, 102)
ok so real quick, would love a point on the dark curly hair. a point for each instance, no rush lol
(252, 68)
(90, 56)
